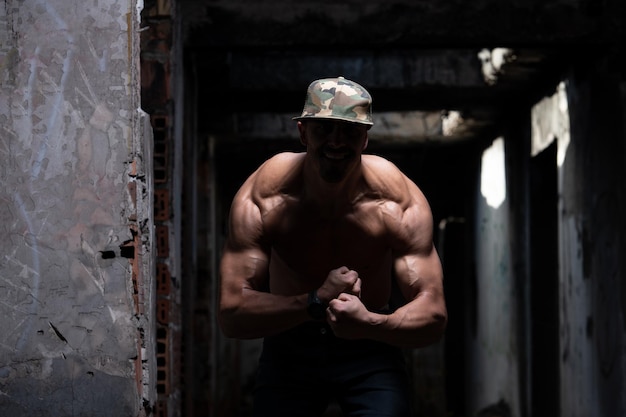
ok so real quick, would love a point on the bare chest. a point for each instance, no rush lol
(305, 247)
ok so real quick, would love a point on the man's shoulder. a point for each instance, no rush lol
(285, 157)
(383, 175)
(281, 163)
(266, 189)
(387, 182)
(379, 164)
(402, 204)
(275, 175)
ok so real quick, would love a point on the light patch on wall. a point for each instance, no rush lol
(492, 174)
(450, 122)
(550, 122)
(139, 7)
(493, 61)
(564, 138)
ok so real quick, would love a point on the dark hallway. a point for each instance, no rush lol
(443, 105)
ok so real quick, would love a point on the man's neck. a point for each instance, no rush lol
(332, 198)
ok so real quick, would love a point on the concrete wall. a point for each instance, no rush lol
(592, 172)
(492, 356)
(585, 117)
(75, 212)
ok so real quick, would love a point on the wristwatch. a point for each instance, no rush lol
(315, 307)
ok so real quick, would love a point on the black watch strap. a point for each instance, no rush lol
(315, 307)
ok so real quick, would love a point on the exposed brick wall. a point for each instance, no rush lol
(156, 44)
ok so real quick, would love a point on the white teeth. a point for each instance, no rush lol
(335, 155)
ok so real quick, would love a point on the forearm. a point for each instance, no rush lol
(411, 326)
(419, 323)
(258, 314)
(407, 333)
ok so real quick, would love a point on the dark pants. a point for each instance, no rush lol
(304, 369)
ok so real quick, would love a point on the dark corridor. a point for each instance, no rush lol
(441, 99)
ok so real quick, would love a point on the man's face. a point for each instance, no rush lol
(335, 146)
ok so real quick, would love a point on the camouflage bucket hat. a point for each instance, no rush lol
(339, 99)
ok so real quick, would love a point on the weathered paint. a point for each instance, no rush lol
(592, 225)
(68, 121)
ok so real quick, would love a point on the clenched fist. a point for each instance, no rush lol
(338, 281)
(348, 317)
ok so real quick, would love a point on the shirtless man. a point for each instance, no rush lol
(315, 242)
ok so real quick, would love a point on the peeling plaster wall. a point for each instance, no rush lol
(492, 356)
(592, 245)
(72, 209)
(585, 116)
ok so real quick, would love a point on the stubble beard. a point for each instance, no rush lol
(335, 170)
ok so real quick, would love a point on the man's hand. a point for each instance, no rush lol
(348, 317)
(340, 280)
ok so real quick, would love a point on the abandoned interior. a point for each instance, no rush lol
(127, 126)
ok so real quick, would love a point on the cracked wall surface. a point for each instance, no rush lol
(71, 204)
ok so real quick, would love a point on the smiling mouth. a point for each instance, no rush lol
(336, 154)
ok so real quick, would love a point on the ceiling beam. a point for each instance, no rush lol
(390, 128)
(399, 80)
(423, 23)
